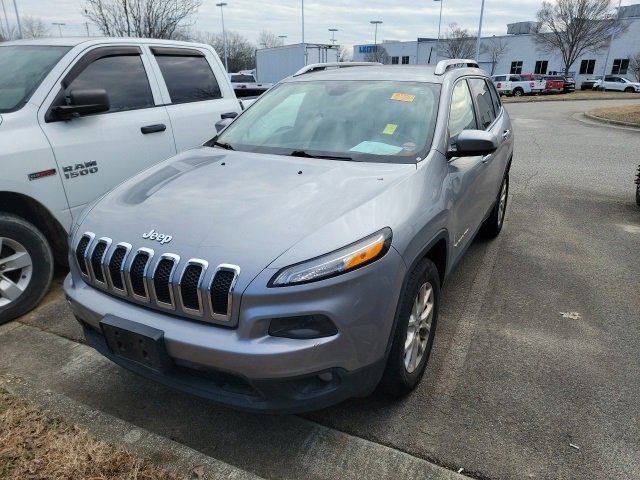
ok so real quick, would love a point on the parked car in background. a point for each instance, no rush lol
(553, 84)
(569, 84)
(79, 116)
(297, 258)
(589, 83)
(244, 84)
(538, 82)
(516, 85)
(617, 83)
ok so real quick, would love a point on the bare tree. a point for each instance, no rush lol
(378, 54)
(495, 48)
(634, 65)
(33, 27)
(240, 51)
(268, 39)
(142, 18)
(344, 54)
(458, 43)
(576, 27)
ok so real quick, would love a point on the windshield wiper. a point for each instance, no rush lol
(302, 153)
(226, 146)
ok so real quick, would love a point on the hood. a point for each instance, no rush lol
(237, 207)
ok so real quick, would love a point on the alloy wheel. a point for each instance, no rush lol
(16, 270)
(419, 328)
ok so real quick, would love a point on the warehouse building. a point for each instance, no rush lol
(520, 52)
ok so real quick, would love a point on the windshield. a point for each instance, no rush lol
(383, 121)
(22, 68)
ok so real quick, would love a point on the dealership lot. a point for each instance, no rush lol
(535, 367)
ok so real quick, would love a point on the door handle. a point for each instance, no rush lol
(486, 158)
(506, 134)
(160, 127)
(229, 115)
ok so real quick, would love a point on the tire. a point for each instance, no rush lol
(518, 92)
(26, 279)
(492, 226)
(630, 90)
(638, 194)
(401, 377)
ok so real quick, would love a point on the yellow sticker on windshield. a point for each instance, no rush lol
(403, 97)
(389, 129)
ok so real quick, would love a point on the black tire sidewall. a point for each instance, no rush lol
(396, 380)
(492, 226)
(42, 257)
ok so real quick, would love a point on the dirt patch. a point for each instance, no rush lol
(36, 445)
(577, 95)
(628, 114)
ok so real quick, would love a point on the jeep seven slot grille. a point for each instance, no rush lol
(152, 278)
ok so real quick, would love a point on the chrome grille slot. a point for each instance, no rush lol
(81, 251)
(189, 287)
(97, 258)
(115, 268)
(136, 274)
(162, 280)
(221, 289)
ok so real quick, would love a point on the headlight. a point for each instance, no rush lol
(340, 261)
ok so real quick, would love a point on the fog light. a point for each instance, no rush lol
(302, 327)
(326, 376)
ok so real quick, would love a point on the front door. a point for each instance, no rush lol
(96, 152)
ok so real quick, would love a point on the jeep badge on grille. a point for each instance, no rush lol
(160, 237)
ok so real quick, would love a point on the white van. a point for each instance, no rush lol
(77, 117)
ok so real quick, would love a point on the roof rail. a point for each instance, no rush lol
(444, 65)
(323, 66)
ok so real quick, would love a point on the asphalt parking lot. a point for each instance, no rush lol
(535, 370)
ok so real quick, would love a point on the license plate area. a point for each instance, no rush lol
(135, 342)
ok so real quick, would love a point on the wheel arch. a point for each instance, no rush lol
(36, 213)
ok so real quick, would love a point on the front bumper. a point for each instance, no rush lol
(247, 368)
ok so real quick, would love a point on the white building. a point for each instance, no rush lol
(521, 54)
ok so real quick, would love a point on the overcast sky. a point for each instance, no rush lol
(403, 19)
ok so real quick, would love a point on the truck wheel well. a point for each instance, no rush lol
(438, 255)
(33, 211)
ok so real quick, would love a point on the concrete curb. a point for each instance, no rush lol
(507, 102)
(48, 372)
(166, 453)
(611, 122)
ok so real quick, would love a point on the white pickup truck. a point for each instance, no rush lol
(79, 116)
(517, 86)
(245, 84)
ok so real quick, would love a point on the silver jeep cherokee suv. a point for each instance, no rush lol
(297, 258)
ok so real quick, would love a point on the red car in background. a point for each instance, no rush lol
(554, 84)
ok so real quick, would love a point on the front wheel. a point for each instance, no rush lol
(414, 332)
(492, 226)
(630, 90)
(518, 92)
(26, 267)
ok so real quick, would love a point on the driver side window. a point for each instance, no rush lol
(461, 113)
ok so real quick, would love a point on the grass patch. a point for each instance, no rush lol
(577, 95)
(628, 114)
(36, 445)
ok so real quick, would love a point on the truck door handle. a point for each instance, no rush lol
(229, 115)
(160, 127)
(506, 134)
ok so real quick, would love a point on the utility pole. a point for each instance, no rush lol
(15, 7)
(479, 33)
(375, 35)
(333, 35)
(606, 61)
(59, 25)
(439, 25)
(6, 19)
(303, 21)
(224, 36)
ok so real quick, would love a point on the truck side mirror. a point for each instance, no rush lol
(225, 120)
(83, 102)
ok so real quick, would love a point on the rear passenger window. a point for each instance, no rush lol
(461, 115)
(122, 76)
(188, 78)
(481, 94)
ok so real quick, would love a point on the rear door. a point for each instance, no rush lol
(96, 152)
(196, 92)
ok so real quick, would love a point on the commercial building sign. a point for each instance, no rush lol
(367, 48)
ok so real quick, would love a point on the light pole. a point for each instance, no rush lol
(375, 35)
(439, 25)
(224, 35)
(59, 25)
(15, 7)
(6, 19)
(606, 60)
(282, 37)
(333, 35)
(303, 23)
(479, 33)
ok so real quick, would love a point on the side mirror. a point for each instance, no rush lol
(471, 143)
(223, 123)
(83, 102)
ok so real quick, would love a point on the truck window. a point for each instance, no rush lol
(461, 115)
(188, 78)
(242, 78)
(480, 92)
(123, 77)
